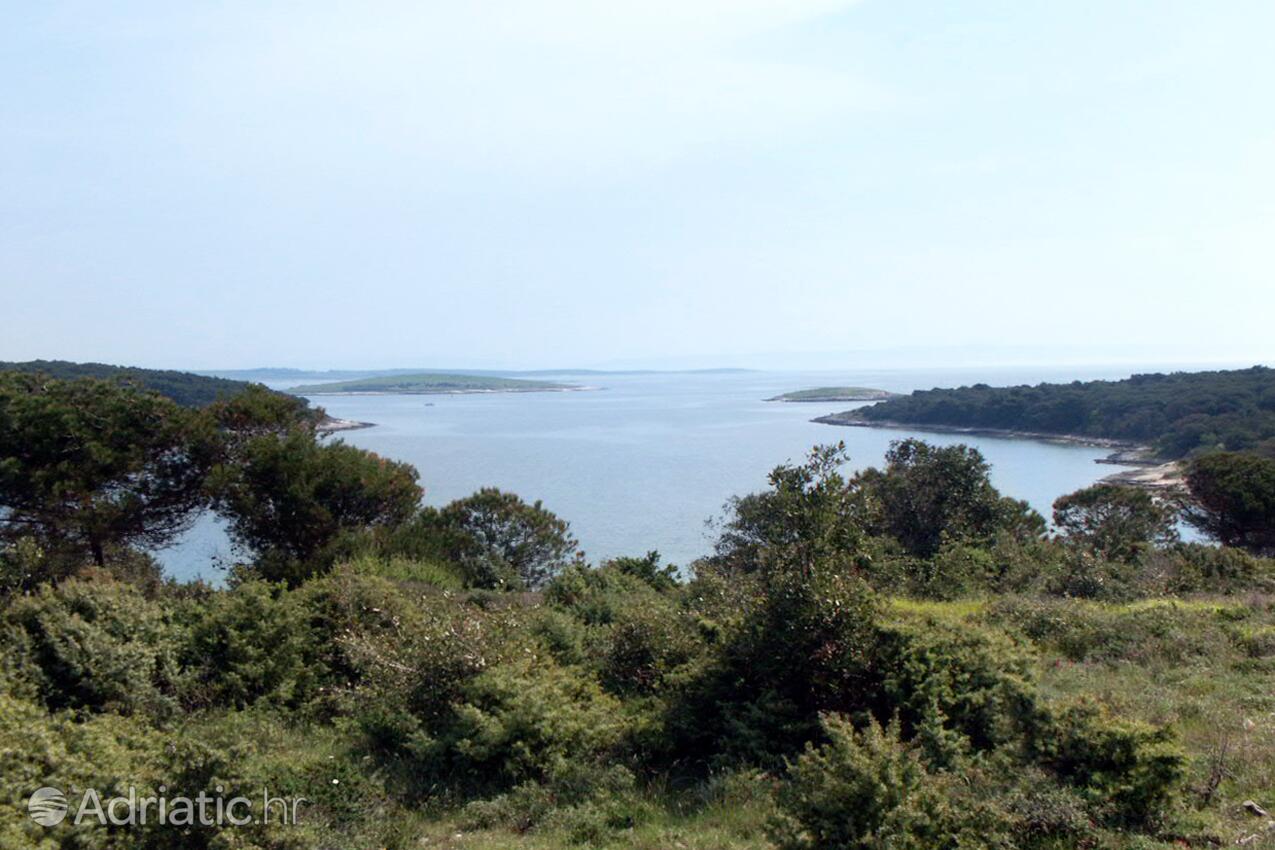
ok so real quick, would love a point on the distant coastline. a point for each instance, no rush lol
(310, 392)
(431, 383)
(849, 418)
(1147, 472)
(827, 394)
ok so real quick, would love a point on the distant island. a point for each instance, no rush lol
(1170, 415)
(281, 373)
(835, 394)
(431, 384)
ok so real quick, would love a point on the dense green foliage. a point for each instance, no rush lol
(1178, 413)
(288, 496)
(461, 677)
(1114, 522)
(185, 388)
(89, 464)
(1233, 499)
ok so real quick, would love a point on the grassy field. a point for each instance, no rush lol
(431, 384)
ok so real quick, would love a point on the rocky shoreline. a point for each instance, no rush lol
(1149, 472)
(867, 395)
(1119, 447)
(330, 425)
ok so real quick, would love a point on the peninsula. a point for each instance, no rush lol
(835, 394)
(1172, 416)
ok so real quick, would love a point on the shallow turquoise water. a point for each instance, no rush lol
(642, 462)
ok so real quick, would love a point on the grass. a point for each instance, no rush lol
(731, 812)
(410, 571)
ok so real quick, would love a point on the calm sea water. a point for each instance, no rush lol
(644, 460)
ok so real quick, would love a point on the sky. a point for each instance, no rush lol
(548, 183)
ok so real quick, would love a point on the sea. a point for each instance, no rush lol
(641, 462)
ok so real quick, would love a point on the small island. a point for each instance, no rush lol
(835, 394)
(431, 383)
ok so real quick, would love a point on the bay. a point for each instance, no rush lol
(642, 461)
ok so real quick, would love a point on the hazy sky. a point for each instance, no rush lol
(554, 182)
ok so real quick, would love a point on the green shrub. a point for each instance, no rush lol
(105, 752)
(1128, 771)
(596, 596)
(346, 607)
(802, 644)
(98, 645)
(974, 682)
(412, 572)
(871, 790)
(1199, 568)
(520, 721)
(409, 677)
(586, 801)
(1085, 575)
(644, 645)
(647, 568)
(566, 638)
(247, 644)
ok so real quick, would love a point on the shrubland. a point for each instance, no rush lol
(895, 658)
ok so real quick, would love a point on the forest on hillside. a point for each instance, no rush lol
(185, 388)
(1178, 414)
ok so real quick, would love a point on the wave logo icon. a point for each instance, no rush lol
(47, 806)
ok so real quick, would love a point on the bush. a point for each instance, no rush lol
(871, 790)
(247, 644)
(585, 801)
(645, 644)
(519, 722)
(802, 644)
(595, 597)
(969, 681)
(1128, 771)
(98, 645)
(1198, 568)
(501, 541)
(37, 749)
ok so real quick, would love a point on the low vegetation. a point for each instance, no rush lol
(898, 658)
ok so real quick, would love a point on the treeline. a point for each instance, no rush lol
(1179, 413)
(419, 673)
(186, 389)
